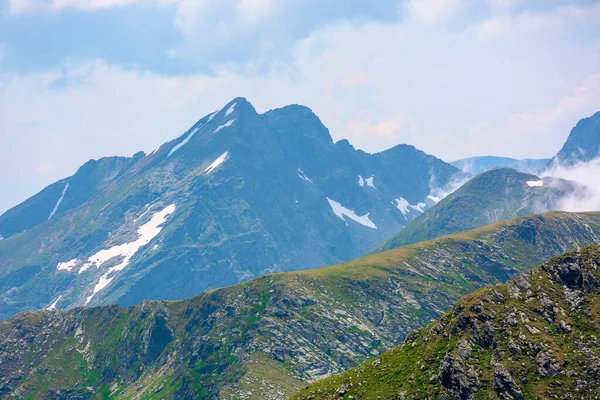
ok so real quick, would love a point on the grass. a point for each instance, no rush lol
(412, 368)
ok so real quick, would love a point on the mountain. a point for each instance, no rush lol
(238, 195)
(489, 197)
(582, 145)
(477, 165)
(535, 337)
(264, 339)
(67, 194)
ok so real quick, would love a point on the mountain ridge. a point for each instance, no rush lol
(265, 338)
(533, 337)
(476, 165)
(250, 194)
(489, 197)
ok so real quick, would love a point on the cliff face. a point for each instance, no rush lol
(268, 337)
(535, 337)
(582, 145)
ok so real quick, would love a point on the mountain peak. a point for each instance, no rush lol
(239, 106)
(583, 143)
(299, 121)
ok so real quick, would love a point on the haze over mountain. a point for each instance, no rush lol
(237, 195)
(266, 338)
(152, 248)
(490, 197)
(502, 193)
(476, 165)
(582, 145)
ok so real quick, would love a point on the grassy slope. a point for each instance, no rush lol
(414, 369)
(306, 324)
(489, 197)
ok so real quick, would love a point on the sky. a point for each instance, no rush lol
(82, 79)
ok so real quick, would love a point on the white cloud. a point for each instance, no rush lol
(414, 81)
(504, 3)
(551, 23)
(586, 174)
(380, 133)
(29, 6)
(434, 10)
(522, 134)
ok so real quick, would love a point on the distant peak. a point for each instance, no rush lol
(239, 104)
(238, 101)
(236, 107)
(344, 143)
(506, 173)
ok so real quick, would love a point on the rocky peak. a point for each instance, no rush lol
(583, 143)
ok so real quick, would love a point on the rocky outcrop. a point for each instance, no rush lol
(505, 385)
(460, 381)
(535, 337)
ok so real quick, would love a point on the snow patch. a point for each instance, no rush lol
(340, 211)
(53, 305)
(535, 183)
(225, 125)
(420, 207)
(303, 176)
(211, 116)
(125, 251)
(67, 266)
(405, 207)
(216, 163)
(230, 109)
(435, 199)
(59, 201)
(370, 182)
(402, 205)
(184, 141)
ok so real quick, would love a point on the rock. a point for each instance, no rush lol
(505, 385)
(545, 365)
(532, 329)
(511, 319)
(460, 382)
(342, 390)
(574, 277)
(521, 282)
(564, 327)
(464, 350)
(513, 347)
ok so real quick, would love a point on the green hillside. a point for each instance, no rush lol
(488, 198)
(535, 337)
(266, 338)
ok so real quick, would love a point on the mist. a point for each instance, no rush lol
(587, 174)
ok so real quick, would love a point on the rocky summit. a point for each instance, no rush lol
(238, 195)
(582, 145)
(535, 337)
(269, 337)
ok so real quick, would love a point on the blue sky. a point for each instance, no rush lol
(83, 79)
